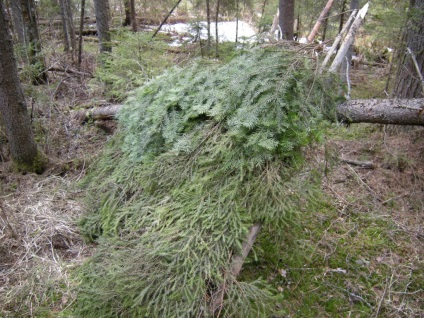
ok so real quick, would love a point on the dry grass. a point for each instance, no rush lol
(38, 255)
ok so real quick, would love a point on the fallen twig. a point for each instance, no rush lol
(363, 164)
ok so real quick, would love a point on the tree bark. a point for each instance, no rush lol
(13, 108)
(101, 9)
(133, 16)
(127, 9)
(342, 15)
(286, 19)
(66, 45)
(18, 23)
(408, 82)
(216, 29)
(321, 19)
(36, 58)
(81, 28)
(382, 111)
(208, 20)
(69, 17)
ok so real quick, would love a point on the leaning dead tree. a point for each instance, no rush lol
(341, 53)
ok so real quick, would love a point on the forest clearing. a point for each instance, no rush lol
(177, 175)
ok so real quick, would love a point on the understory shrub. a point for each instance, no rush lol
(202, 153)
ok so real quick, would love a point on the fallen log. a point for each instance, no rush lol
(382, 111)
(378, 111)
(102, 113)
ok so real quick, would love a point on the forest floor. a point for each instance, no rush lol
(360, 254)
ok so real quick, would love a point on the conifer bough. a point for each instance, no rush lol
(203, 157)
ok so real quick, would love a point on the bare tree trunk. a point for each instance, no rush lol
(347, 61)
(216, 28)
(81, 28)
(409, 83)
(237, 18)
(342, 15)
(325, 27)
(321, 18)
(18, 22)
(208, 19)
(34, 44)
(133, 16)
(101, 9)
(286, 19)
(13, 107)
(66, 45)
(262, 12)
(71, 28)
(127, 9)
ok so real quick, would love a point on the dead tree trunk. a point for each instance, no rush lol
(348, 40)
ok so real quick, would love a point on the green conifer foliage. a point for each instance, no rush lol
(202, 153)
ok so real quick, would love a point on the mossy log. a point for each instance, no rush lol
(378, 111)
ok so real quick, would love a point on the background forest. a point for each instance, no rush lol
(147, 172)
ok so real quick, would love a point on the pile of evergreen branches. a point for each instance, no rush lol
(202, 154)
